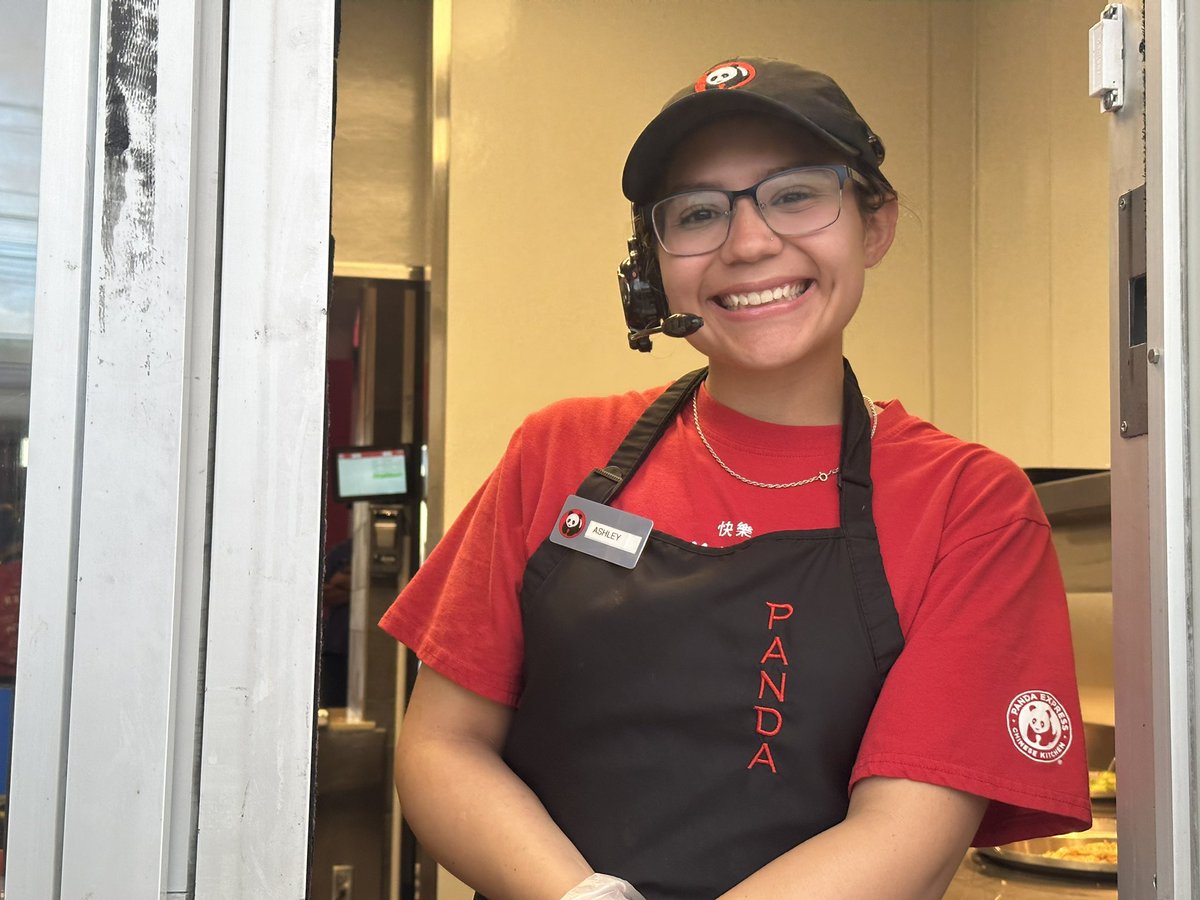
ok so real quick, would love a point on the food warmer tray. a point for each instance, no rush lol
(1029, 855)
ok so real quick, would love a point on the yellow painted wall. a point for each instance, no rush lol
(948, 216)
(974, 316)
(546, 98)
(381, 143)
(1042, 231)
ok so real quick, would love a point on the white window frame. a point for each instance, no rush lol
(165, 707)
(1155, 519)
(1172, 170)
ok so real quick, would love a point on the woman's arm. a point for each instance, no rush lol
(468, 808)
(901, 839)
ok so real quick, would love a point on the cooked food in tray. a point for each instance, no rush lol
(1089, 852)
(1083, 854)
(1102, 784)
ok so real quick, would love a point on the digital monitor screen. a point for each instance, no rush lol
(369, 473)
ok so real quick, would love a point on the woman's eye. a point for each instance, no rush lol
(696, 216)
(795, 192)
(795, 195)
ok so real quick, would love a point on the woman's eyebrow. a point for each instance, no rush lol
(712, 186)
(690, 186)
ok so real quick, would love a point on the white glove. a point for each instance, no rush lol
(603, 887)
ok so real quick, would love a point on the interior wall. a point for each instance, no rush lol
(988, 314)
(381, 143)
(546, 99)
(949, 216)
(1041, 274)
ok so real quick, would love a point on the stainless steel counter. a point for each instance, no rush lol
(981, 879)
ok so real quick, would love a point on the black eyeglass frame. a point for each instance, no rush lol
(844, 173)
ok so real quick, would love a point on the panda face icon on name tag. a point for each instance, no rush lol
(572, 523)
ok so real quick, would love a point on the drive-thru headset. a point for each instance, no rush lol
(644, 301)
(745, 84)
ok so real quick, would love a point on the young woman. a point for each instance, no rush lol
(754, 634)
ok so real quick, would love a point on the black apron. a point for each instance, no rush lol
(689, 720)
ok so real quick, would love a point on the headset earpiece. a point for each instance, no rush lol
(643, 299)
(644, 307)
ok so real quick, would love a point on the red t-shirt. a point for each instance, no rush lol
(982, 698)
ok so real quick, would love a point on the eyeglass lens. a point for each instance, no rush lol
(795, 202)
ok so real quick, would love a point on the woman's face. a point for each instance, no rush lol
(819, 276)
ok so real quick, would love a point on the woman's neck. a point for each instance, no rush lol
(807, 393)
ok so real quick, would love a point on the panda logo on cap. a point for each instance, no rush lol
(725, 76)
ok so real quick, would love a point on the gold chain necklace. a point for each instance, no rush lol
(820, 476)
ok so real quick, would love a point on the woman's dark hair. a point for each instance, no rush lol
(876, 195)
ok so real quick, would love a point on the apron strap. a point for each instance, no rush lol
(858, 524)
(854, 484)
(604, 484)
(854, 473)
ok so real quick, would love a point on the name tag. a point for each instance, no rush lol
(610, 534)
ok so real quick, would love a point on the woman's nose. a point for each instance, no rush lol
(750, 237)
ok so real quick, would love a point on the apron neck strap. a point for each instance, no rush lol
(854, 477)
(603, 484)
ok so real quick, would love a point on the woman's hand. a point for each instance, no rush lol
(603, 887)
(468, 808)
(901, 839)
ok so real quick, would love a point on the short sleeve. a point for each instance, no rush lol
(983, 696)
(460, 614)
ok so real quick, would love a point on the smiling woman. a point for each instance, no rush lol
(732, 699)
(812, 271)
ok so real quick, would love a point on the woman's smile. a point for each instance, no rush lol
(772, 304)
(752, 298)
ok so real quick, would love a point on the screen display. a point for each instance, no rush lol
(371, 473)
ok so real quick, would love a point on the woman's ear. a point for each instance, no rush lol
(879, 230)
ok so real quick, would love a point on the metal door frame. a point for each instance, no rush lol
(166, 665)
(1154, 518)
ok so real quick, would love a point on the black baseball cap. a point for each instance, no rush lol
(748, 84)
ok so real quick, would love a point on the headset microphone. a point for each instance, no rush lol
(678, 325)
(646, 308)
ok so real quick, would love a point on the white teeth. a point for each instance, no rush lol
(758, 298)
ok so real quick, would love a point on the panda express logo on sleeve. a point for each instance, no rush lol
(727, 75)
(1039, 726)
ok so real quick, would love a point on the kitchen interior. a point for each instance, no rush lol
(465, 144)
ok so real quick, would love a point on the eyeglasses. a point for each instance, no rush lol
(792, 203)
